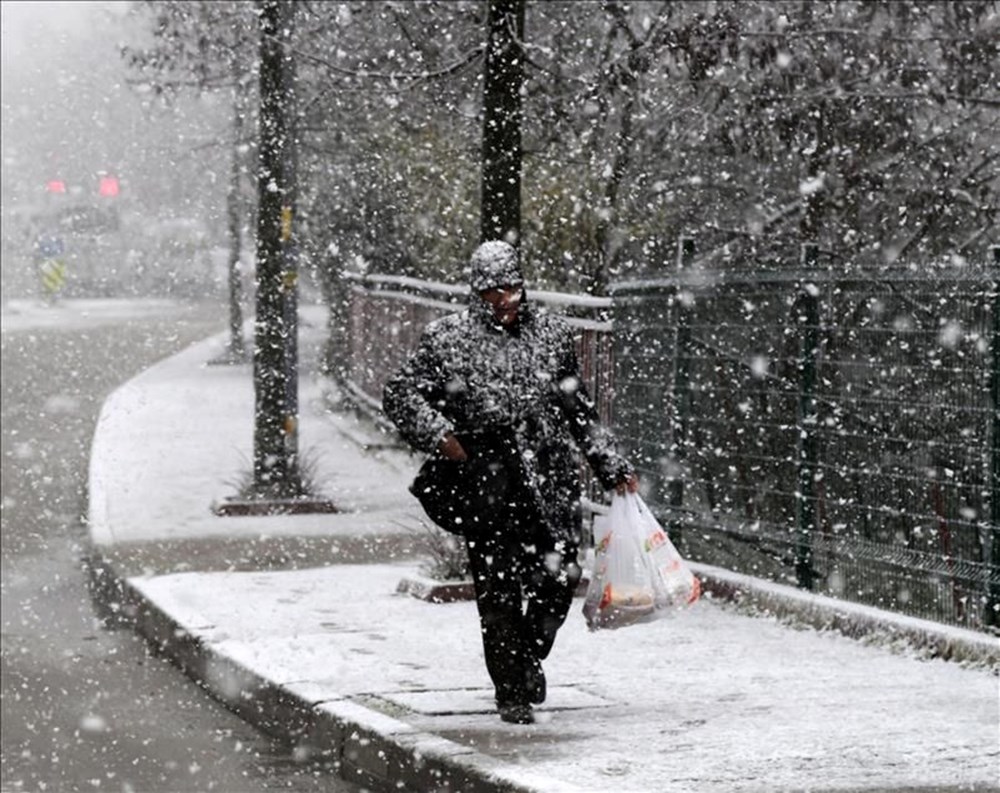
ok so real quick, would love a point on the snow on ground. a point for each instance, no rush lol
(708, 700)
(203, 416)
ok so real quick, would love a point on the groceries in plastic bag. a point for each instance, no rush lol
(638, 574)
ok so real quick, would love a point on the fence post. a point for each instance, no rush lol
(680, 392)
(807, 461)
(991, 615)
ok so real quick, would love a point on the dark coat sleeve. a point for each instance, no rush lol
(413, 397)
(595, 440)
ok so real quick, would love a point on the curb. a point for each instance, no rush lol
(363, 745)
(898, 632)
(434, 591)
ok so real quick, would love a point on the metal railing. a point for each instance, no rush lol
(386, 315)
(828, 427)
(834, 428)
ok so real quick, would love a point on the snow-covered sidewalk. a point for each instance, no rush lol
(396, 687)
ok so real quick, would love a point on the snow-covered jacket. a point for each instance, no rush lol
(469, 375)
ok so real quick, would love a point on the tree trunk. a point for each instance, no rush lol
(234, 216)
(608, 247)
(276, 465)
(500, 217)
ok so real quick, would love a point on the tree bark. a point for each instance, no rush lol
(276, 464)
(500, 212)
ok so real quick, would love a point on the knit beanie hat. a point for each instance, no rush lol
(494, 264)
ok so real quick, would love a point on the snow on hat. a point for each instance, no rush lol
(494, 264)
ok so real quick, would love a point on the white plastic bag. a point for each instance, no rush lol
(638, 575)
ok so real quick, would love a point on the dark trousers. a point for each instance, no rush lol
(514, 560)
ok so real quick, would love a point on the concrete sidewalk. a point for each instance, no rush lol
(296, 622)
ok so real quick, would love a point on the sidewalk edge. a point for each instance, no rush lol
(854, 620)
(365, 746)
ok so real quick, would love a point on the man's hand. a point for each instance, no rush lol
(630, 484)
(451, 449)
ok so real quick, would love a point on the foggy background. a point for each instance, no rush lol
(70, 115)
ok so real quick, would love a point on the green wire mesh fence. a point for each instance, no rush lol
(830, 427)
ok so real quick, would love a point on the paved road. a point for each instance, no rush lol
(84, 706)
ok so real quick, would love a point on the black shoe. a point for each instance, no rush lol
(536, 685)
(517, 714)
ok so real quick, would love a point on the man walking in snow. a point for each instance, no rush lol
(494, 395)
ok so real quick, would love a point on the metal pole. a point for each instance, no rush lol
(807, 458)
(992, 612)
(680, 392)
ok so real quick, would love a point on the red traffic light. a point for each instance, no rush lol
(55, 186)
(109, 186)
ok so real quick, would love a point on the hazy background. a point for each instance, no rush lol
(69, 113)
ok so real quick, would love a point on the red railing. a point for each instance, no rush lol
(387, 314)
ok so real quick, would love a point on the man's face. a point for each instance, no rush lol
(504, 300)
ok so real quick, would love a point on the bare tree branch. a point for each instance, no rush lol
(411, 77)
